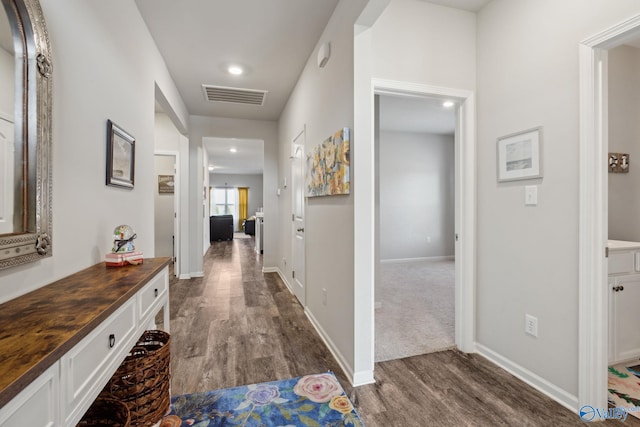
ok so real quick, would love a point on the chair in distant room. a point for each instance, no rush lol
(221, 227)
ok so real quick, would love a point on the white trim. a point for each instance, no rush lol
(282, 277)
(356, 379)
(409, 260)
(593, 310)
(465, 215)
(566, 399)
(197, 274)
(184, 276)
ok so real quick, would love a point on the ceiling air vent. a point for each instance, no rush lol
(234, 95)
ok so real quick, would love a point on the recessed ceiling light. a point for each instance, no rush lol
(211, 167)
(235, 70)
(233, 150)
(448, 104)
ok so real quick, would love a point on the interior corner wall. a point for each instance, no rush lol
(98, 74)
(416, 195)
(624, 137)
(527, 260)
(322, 101)
(267, 131)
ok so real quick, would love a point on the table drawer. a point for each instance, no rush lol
(152, 293)
(90, 361)
(36, 405)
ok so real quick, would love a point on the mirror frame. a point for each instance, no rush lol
(33, 127)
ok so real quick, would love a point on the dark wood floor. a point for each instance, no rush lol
(238, 326)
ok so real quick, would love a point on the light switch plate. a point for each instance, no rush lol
(531, 195)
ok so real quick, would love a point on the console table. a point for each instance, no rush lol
(60, 344)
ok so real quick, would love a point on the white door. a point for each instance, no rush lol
(6, 176)
(297, 217)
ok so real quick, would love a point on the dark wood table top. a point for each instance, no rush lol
(38, 328)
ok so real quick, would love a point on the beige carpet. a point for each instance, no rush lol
(417, 313)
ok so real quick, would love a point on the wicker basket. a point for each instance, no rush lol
(142, 381)
(106, 412)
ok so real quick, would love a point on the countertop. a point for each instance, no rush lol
(621, 245)
(38, 328)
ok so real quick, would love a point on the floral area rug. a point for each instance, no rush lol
(313, 400)
(624, 386)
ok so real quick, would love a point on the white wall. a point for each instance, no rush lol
(253, 181)
(416, 195)
(201, 127)
(415, 42)
(624, 137)
(419, 42)
(7, 83)
(528, 256)
(323, 102)
(98, 74)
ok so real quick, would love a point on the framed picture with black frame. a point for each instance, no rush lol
(121, 150)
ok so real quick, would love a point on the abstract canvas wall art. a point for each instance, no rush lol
(328, 166)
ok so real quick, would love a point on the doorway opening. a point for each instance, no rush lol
(599, 274)
(298, 202)
(166, 207)
(415, 262)
(235, 187)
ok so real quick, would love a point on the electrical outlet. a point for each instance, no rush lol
(531, 325)
(324, 296)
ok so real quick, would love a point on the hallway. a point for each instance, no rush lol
(238, 326)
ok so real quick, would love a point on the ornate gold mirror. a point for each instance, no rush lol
(25, 134)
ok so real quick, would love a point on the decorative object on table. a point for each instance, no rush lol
(142, 381)
(312, 400)
(520, 155)
(106, 411)
(166, 184)
(123, 251)
(328, 166)
(618, 162)
(120, 156)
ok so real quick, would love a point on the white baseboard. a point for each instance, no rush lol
(332, 348)
(198, 274)
(184, 276)
(561, 396)
(282, 276)
(403, 260)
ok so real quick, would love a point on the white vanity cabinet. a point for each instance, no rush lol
(93, 342)
(624, 300)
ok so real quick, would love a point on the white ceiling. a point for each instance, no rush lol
(470, 5)
(249, 158)
(419, 115)
(271, 39)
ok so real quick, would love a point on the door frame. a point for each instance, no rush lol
(464, 228)
(465, 221)
(593, 295)
(176, 206)
(302, 134)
